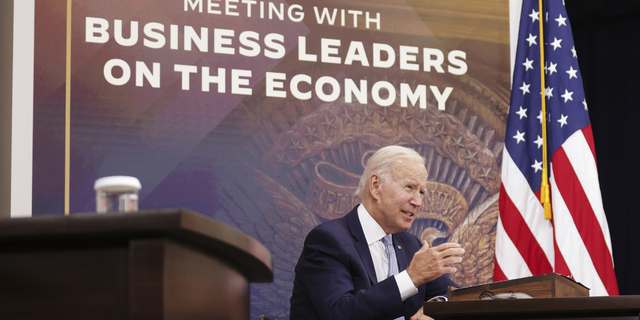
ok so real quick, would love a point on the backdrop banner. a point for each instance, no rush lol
(261, 114)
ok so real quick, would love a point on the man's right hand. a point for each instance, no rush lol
(430, 263)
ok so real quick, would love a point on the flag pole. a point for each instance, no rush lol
(544, 188)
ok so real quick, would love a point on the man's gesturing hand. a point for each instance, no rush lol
(430, 263)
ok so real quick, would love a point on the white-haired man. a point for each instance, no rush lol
(344, 270)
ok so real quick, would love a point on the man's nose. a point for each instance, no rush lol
(416, 200)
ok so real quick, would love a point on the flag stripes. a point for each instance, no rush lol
(579, 189)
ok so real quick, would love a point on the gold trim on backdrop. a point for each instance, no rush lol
(67, 120)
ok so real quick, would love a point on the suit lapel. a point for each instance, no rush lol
(361, 244)
(401, 253)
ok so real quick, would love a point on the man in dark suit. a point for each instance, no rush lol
(344, 270)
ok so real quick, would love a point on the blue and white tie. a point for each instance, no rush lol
(393, 261)
(391, 255)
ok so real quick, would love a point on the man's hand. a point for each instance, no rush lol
(430, 263)
(420, 316)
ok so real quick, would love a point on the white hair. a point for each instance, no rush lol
(381, 164)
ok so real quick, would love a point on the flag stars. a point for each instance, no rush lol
(567, 95)
(522, 113)
(556, 43)
(548, 92)
(563, 120)
(552, 68)
(534, 15)
(537, 165)
(584, 102)
(539, 142)
(519, 136)
(540, 117)
(532, 40)
(525, 88)
(528, 64)
(572, 73)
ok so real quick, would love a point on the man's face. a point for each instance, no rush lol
(400, 197)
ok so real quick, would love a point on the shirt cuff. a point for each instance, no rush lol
(405, 285)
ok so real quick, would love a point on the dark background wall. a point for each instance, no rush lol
(607, 39)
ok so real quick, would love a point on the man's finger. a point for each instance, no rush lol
(452, 260)
(448, 245)
(451, 252)
(454, 252)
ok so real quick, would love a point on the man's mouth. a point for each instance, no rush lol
(407, 213)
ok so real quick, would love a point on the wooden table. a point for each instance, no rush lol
(619, 307)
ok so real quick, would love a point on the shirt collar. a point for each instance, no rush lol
(372, 230)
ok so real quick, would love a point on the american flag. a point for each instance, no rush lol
(576, 241)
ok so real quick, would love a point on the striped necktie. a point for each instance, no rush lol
(393, 261)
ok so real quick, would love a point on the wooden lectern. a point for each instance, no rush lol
(550, 285)
(156, 264)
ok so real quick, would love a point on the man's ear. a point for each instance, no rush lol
(374, 186)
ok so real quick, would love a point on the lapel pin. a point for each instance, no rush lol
(399, 247)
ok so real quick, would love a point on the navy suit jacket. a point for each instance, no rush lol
(335, 277)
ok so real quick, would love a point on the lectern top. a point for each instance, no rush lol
(191, 228)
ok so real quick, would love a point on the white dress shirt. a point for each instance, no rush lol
(374, 233)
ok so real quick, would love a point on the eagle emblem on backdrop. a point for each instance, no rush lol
(312, 154)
